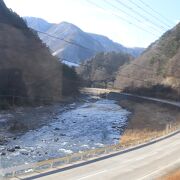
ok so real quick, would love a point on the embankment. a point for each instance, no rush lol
(148, 119)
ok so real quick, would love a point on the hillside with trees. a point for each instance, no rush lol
(28, 71)
(156, 72)
(101, 70)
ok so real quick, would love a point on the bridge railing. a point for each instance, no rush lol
(39, 167)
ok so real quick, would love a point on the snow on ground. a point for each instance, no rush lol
(71, 64)
(91, 125)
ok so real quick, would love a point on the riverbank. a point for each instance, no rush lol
(148, 118)
(16, 121)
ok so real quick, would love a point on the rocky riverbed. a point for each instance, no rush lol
(65, 130)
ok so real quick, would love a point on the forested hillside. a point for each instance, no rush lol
(28, 71)
(157, 70)
(101, 70)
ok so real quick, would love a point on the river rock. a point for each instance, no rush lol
(17, 147)
(3, 154)
(2, 141)
(56, 139)
(11, 149)
(24, 153)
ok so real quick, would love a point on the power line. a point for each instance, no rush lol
(62, 39)
(54, 75)
(141, 66)
(155, 17)
(123, 19)
(148, 6)
(115, 7)
(74, 43)
(139, 14)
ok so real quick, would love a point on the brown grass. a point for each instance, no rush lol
(137, 136)
(148, 120)
(172, 176)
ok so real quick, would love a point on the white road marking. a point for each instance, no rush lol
(100, 172)
(135, 159)
(143, 157)
(140, 158)
(160, 169)
(173, 144)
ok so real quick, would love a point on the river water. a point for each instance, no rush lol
(88, 126)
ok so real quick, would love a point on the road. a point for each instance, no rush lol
(154, 99)
(99, 91)
(146, 163)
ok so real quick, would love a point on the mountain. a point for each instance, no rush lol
(28, 70)
(38, 23)
(101, 70)
(158, 65)
(109, 46)
(93, 43)
(71, 33)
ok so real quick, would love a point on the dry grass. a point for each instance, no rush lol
(148, 120)
(137, 136)
(172, 176)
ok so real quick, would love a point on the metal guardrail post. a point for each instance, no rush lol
(67, 159)
(13, 173)
(51, 164)
(81, 157)
(167, 127)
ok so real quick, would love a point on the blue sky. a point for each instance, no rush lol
(107, 20)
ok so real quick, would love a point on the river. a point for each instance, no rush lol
(87, 126)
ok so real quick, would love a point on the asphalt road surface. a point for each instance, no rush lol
(146, 163)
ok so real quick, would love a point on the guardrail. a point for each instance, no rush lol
(39, 167)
